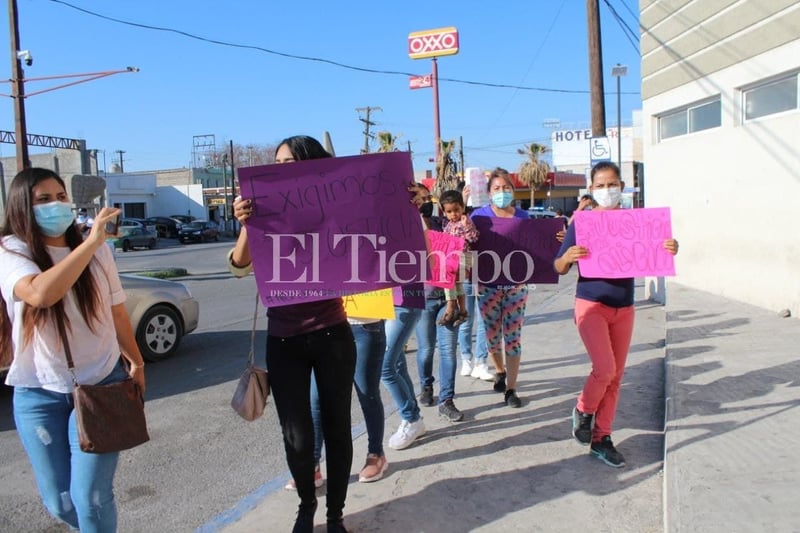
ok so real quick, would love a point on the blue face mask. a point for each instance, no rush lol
(54, 218)
(502, 199)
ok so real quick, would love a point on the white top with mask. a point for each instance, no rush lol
(41, 363)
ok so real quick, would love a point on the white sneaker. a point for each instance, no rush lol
(406, 434)
(481, 371)
(466, 367)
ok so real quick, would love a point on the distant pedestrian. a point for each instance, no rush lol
(604, 315)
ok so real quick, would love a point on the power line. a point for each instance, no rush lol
(626, 30)
(629, 10)
(530, 66)
(316, 59)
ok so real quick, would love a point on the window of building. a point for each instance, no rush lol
(769, 98)
(134, 210)
(695, 117)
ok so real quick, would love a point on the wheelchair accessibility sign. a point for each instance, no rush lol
(599, 150)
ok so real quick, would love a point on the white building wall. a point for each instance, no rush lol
(180, 200)
(734, 190)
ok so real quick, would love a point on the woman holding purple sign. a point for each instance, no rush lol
(301, 338)
(502, 307)
(604, 316)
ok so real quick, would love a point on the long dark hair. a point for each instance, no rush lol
(19, 220)
(304, 147)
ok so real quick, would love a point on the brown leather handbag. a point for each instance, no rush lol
(110, 418)
(250, 397)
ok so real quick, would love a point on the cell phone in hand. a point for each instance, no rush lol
(113, 226)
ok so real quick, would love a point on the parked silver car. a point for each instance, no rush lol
(161, 312)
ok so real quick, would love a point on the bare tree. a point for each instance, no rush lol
(446, 168)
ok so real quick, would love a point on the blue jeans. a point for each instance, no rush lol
(465, 329)
(395, 370)
(76, 487)
(430, 335)
(370, 347)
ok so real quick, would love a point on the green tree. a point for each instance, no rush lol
(386, 141)
(533, 172)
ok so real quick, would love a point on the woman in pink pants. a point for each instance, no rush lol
(604, 316)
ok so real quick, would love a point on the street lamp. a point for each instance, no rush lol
(618, 71)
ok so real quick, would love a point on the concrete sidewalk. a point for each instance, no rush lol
(730, 391)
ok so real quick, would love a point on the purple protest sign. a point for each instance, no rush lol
(515, 251)
(449, 248)
(326, 228)
(625, 243)
(411, 296)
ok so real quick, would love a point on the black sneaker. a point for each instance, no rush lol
(336, 526)
(305, 518)
(449, 411)
(511, 399)
(500, 382)
(426, 398)
(605, 451)
(582, 426)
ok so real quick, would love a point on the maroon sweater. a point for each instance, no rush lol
(292, 320)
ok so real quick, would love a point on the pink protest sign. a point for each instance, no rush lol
(445, 252)
(327, 228)
(625, 243)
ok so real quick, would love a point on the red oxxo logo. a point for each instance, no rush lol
(432, 43)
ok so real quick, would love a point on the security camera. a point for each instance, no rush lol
(25, 55)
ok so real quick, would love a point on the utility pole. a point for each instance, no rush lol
(121, 165)
(18, 90)
(596, 69)
(461, 155)
(367, 124)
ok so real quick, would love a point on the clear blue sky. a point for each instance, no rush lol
(188, 87)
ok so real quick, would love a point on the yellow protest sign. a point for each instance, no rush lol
(374, 304)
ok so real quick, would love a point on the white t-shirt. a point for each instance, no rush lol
(41, 362)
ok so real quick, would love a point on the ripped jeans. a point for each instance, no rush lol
(76, 487)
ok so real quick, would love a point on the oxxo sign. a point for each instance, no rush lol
(432, 43)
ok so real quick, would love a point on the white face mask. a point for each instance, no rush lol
(607, 198)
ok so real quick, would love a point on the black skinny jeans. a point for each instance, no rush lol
(331, 352)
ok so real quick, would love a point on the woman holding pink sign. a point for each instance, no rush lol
(604, 315)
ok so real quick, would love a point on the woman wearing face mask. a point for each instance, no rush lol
(502, 307)
(48, 270)
(604, 316)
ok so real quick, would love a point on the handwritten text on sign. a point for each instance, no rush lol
(327, 228)
(625, 243)
(446, 251)
(514, 251)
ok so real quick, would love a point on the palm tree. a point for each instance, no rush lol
(446, 171)
(533, 172)
(386, 141)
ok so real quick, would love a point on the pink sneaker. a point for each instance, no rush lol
(318, 481)
(373, 469)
